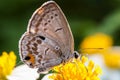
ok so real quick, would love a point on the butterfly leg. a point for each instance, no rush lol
(49, 64)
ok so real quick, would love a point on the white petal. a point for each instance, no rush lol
(46, 77)
(23, 72)
(98, 59)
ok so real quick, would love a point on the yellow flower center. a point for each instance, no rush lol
(77, 70)
(7, 63)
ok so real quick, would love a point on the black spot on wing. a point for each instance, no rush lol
(27, 58)
(41, 37)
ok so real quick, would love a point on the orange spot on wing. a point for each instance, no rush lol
(40, 11)
(32, 58)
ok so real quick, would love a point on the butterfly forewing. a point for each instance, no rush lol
(50, 21)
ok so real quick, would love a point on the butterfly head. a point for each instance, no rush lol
(76, 54)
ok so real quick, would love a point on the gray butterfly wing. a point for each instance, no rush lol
(47, 39)
(50, 21)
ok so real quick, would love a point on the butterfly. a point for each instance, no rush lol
(48, 40)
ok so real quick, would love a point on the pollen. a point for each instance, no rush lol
(77, 70)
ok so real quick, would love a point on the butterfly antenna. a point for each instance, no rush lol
(90, 49)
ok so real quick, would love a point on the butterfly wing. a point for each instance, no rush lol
(50, 20)
(47, 39)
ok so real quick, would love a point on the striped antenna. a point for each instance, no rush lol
(90, 49)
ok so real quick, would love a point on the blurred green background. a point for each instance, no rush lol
(84, 16)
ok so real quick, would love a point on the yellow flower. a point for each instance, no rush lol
(8, 71)
(7, 63)
(112, 57)
(76, 70)
(98, 40)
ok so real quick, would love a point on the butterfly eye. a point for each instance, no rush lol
(76, 54)
(27, 58)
